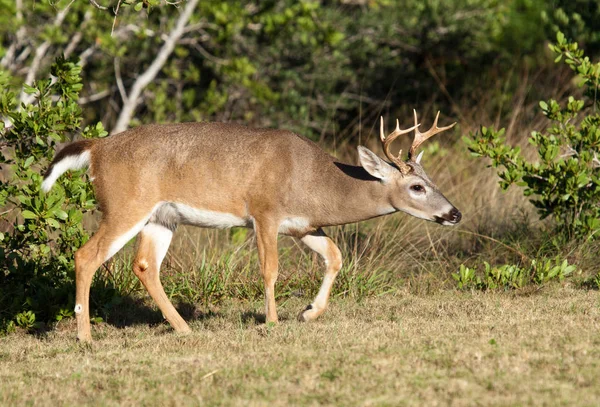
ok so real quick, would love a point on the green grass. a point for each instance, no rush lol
(513, 348)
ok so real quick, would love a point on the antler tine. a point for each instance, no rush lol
(387, 142)
(421, 137)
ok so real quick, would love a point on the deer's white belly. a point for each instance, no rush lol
(170, 214)
(173, 213)
(293, 225)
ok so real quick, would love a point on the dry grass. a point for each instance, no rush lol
(450, 348)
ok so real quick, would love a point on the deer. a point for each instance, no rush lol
(150, 179)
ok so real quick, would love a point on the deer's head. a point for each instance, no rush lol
(410, 189)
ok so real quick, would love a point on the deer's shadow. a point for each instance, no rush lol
(132, 311)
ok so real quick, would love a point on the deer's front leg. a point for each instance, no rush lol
(266, 241)
(320, 243)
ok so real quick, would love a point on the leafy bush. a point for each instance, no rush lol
(44, 230)
(565, 179)
(502, 277)
(510, 276)
(548, 270)
(466, 278)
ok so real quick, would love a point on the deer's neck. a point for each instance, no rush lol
(356, 196)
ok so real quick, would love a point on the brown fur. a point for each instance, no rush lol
(229, 168)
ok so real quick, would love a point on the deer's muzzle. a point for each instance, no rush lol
(450, 218)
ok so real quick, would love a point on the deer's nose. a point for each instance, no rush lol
(455, 215)
(450, 218)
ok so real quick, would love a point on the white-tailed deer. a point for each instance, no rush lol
(151, 178)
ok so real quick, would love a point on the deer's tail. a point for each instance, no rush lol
(74, 156)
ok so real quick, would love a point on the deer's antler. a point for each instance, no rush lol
(387, 142)
(421, 137)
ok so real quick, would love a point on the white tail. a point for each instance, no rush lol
(63, 164)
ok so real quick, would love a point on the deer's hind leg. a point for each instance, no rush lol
(113, 233)
(153, 243)
(322, 244)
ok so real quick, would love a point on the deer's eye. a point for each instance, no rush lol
(417, 188)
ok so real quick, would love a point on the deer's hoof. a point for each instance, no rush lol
(303, 316)
(87, 339)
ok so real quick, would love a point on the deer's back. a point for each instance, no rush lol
(215, 166)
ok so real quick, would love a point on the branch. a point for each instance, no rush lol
(112, 30)
(93, 98)
(148, 76)
(40, 52)
(208, 56)
(570, 152)
(119, 80)
(9, 57)
(23, 55)
(85, 55)
(98, 6)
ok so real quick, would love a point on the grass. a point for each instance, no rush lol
(511, 348)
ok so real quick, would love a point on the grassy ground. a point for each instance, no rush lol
(537, 347)
(397, 333)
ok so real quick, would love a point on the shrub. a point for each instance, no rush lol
(565, 180)
(43, 230)
(506, 276)
(466, 278)
(510, 276)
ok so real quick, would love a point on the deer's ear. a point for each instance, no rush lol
(374, 165)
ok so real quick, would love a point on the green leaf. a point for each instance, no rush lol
(24, 199)
(28, 215)
(53, 222)
(28, 162)
(39, 140)
(30, 90)
(582, 180)
(138, 6)
(60, 214)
